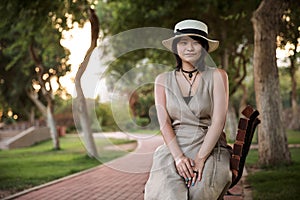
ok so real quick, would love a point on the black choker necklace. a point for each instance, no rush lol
(189, 72)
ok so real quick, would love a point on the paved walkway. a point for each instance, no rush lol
(121, 179)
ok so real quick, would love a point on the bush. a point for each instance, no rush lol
(105, 118)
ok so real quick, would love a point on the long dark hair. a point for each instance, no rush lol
(201, 62)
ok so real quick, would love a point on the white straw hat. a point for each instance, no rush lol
(191, 27)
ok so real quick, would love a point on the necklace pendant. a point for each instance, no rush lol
(190, 75)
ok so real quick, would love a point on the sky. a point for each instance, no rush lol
(78, 41)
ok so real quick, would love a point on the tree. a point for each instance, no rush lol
(273, 148)
(30, 40)
(10, 91)
(80, 102)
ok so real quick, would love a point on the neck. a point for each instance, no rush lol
(190, 71)
(187, 66)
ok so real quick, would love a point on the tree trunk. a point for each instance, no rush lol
(47, 113)
(31, 116)
(52, 126)
(231, 123)
(295, 123)
(273, 147)
(81, 106)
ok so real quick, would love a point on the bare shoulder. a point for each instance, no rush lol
(161, 78)
(220, 73)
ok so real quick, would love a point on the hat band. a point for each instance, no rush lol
(190, 31)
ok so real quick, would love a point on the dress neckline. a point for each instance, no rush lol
(187, 99)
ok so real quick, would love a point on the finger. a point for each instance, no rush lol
(186, 172)
(189, 168)
(186, 181)
(186, 178)
(182, 173)
(199, 175)
(179, 171)
(192, 163)
(195, 178)
(189, 183)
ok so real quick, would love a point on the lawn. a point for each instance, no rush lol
(293, 137)
(27, 167)
(274, 183)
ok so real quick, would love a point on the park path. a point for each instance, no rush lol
(120, 179)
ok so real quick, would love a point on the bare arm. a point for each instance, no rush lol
(220, 96)
(183, 164)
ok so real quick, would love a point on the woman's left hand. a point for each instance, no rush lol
(198, 169)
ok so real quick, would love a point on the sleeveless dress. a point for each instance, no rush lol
(190, 122)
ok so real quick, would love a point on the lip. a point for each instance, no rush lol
(190, 54)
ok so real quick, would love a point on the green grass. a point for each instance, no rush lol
(274, 183)
(293, 137)
(27, 167)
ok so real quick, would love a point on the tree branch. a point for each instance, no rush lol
(34, 97)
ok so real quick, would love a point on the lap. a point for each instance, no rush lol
(165, 183)
(216, 177)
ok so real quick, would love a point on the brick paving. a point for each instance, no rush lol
(121, 179)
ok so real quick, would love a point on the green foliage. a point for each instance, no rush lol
(33, 26)
(105, 117)
(12, 88)
(142, 121)
(145, 100)
(63, 105)
(289, 32)
(285, 86)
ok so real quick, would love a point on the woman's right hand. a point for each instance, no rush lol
(184, 166)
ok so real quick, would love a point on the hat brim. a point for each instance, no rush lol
(213, 44)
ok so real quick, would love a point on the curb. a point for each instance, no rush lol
(13, 196)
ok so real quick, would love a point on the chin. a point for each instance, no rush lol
(191, 61)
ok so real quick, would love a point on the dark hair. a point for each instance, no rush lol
(201, 62)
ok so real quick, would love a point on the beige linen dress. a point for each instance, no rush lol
(190, 122)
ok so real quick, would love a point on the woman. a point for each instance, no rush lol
(191, 102)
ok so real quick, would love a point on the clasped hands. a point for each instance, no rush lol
(189, 169)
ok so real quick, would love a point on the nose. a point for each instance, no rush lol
(190, 46)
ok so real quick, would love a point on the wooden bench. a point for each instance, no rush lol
(245, 132)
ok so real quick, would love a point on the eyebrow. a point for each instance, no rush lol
(183, 39)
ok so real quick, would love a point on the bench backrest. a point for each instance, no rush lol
(246, 129)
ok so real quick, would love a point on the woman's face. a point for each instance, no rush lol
(189, 50)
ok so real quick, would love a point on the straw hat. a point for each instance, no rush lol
(191, 27)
